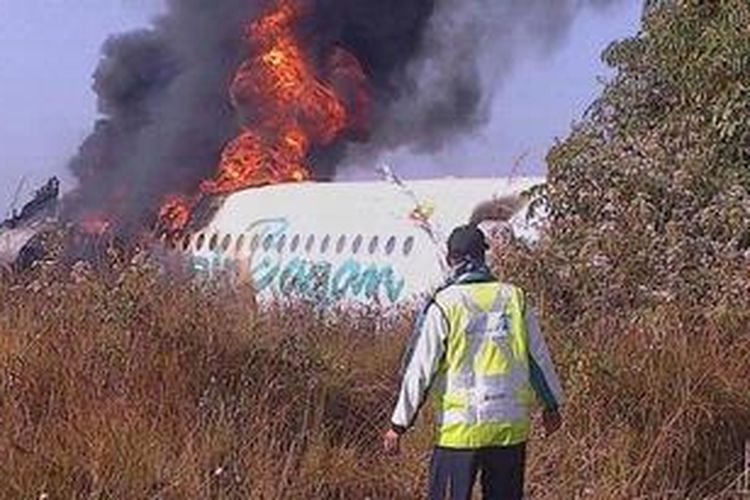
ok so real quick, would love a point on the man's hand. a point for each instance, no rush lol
(392, 442)
(552, 421)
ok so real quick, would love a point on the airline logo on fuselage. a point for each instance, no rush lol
(324, 269)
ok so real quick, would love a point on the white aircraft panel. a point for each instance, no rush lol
(333, 242)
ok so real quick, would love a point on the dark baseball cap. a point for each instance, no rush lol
(467, 240)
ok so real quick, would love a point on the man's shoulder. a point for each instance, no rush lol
(456, 291)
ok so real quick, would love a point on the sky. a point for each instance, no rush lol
(50, 48)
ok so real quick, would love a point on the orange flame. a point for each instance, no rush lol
(286, 108)
(285, 105)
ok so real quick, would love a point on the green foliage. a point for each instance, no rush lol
(643, 277)
(650, 194)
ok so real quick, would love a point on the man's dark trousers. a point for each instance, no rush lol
(453, 473)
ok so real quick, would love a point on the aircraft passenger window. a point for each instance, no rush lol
(214, 242)
(390, 246)
(268, 242)
(186, 243)
(374, 242)
(357, 244)
(226, 243)
(295, 243)
(310, 243)
(281, 244)
(199, 243)
(167, 241)
(325, 244)
(238, 246)
(341, 244)
(255, 243)
(409, 246)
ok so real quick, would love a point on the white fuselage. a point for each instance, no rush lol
(345, 241)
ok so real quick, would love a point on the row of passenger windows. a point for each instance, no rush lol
(280, 243)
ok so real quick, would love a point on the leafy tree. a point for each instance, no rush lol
(649, 197)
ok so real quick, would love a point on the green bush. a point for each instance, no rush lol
(649, 197)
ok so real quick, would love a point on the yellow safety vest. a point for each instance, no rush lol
(482, 389)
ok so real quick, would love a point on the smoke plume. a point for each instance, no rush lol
(164, 98)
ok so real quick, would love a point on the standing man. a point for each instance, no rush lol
(479, 350)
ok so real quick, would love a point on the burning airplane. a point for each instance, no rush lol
(378, 242)
(224, 124)
(351, 242)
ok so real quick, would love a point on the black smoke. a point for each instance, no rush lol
(163, 92)
(466, 51)
(163, 96)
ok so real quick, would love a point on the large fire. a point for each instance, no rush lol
(287, 106)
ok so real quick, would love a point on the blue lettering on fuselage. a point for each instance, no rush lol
(320, 281)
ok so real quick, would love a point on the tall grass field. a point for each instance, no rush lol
(124, 383)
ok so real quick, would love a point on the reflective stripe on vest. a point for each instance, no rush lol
(482, 390)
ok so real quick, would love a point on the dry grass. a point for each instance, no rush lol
(123, 384)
